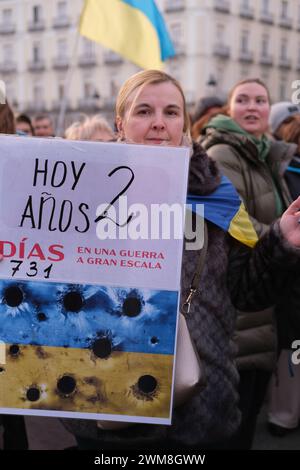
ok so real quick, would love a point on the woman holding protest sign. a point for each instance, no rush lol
(151, 110)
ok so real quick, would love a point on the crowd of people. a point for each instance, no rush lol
(244, 316)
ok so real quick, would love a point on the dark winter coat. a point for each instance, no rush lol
(237, 156)
(232, 273)
(287, 310)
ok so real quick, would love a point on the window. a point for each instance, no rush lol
(7, 52)
(283, 48)
(265, 45)
(10, 93)
(245, 41)
(220, 33)
(282, 90)
(38, 93)
(88, 47)
(7, 16)
(265, 6)
(61, 91)
(36, 52)
(62, 9)
(88, 89)
(244, 73)
(175, 71)
(176, 35)
(245, 4)
(113, 86)
(284, 9)
(37, 13)
(62, 48)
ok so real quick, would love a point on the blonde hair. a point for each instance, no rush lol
(142, 79)
(84, 129)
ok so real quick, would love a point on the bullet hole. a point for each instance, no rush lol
(41, 316)
(66, 385)
(33, 394)
(147, 384)
(14, 350)
(13, 296)
(73, 301)
(132, 306)
(102, 348)
(154, 340)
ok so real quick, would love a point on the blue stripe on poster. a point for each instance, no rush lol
(82, 316)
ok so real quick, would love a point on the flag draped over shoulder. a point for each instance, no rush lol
(133, 28)
(224, 208)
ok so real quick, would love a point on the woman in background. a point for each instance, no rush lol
(239, 143)
(94, 128)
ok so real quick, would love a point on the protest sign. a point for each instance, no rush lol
(90, 280)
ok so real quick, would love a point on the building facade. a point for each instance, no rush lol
(217, 42)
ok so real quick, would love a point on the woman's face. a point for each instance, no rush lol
(250, 108)
(154, 115)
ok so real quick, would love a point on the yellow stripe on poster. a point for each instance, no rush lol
(123, 29)
(47, 378)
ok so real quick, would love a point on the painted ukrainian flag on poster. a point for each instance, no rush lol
(134, 29)
(88, 323)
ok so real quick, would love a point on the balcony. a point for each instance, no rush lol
(266, 60)
(285, 22)
(8, 66)
(223, 6)
(246, 56)
(60, 63)
(36, 106)
(109, 102)
(180, 48)
(266, 17)
(174, 5)
(36, 65)
(56, 104)
(247, 12)
(61, 22)
(87, 60)
(34, 26)
(89, 104)
(8, 28)
(111, 57)
(284, 63)
(222, 51)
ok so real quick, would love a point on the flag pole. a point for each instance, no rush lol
(67, 84)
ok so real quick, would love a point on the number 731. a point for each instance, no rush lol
(32, 270)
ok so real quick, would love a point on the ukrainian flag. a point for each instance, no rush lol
(133, 28)
(225, 209)
(99, 350)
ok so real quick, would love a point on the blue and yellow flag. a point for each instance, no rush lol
(225, 208)
(87, 349)
(134, 29)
